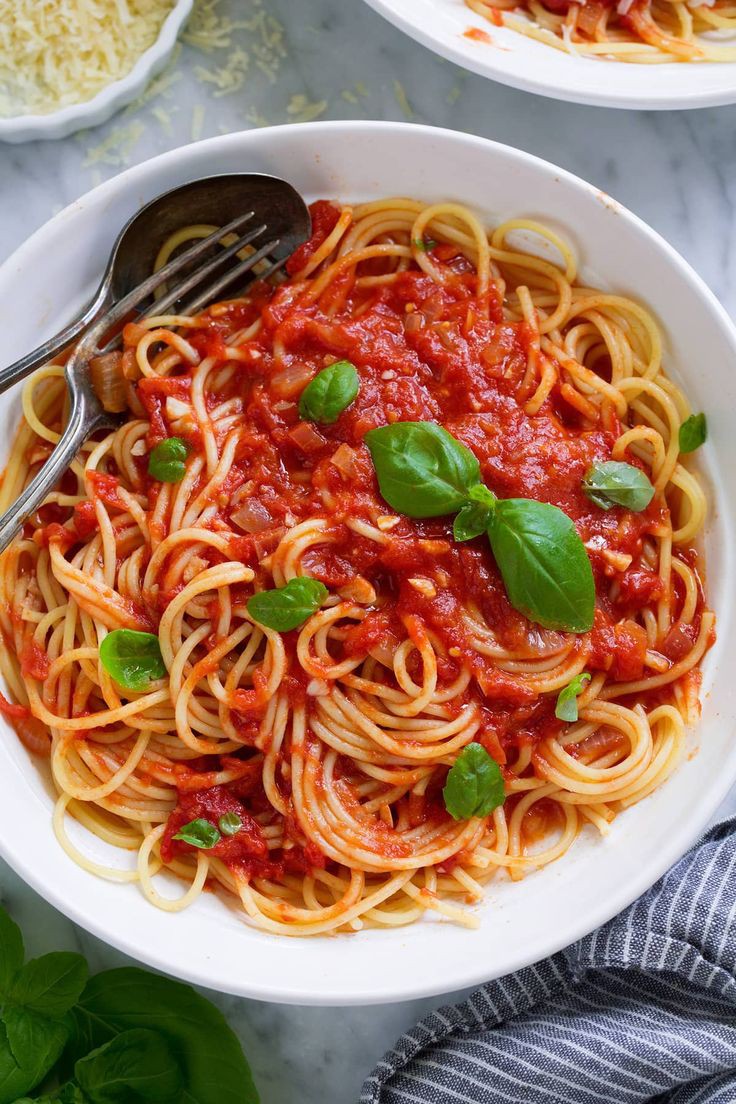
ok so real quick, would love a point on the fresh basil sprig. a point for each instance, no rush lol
(199, 833)
(166, 462)
(475, 516)
(132, 658)
(474, 786)
(693, 433)
(423, 471)
(108, 1057)
(543, 564)
(566, 708)
(35, 999)
(289, 606)
(613, 483)
(330, 392)
(135, 1065)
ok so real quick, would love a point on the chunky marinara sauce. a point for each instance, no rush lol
(423, 351)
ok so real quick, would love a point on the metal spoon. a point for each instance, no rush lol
(216, 200)
(276, 222)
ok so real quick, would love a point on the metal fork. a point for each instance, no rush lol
(201, 281)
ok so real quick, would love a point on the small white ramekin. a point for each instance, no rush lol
(58, 124)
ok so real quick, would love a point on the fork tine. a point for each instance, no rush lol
(211, 293)
(139, 294)
(160, 306)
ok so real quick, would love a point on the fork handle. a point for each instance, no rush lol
(55, 345)
(84, 418)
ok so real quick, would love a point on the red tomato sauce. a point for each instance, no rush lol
(423, 351)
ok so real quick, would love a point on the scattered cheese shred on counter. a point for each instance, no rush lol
(54, 53)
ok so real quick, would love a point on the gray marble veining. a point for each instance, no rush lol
(338, 59)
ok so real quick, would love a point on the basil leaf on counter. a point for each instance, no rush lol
(330, 392)
(474, 786)
(567, 699)
(475, 516)
(422, 470)
(199, 833)
(289, 606)
(135, 1065)
(11, 951)
(30, 1035)
(693, 433)
(133, 659)
(543, 564)
(51, 984)
(166, 462)
(614, 483)
(117, 1000)
(16, 1080)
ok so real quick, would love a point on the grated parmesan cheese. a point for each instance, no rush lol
(54, 53)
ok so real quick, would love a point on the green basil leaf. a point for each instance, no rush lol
(11, 951)
(474, 786)
(28, 1034)
(230, 824)
(330, 392)
(288, 606)
(614, 483)
(51, 984)
(475, 516)
(199, 833)
(693, 433)
(543, 563)
(136, 1065)
(15, 1080)
(423, 245)
(118, 1000)
(422, 470)
(166, 462)
(65, 1094)
(132, 658)
(566, 708)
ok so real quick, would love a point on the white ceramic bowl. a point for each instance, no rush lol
(210, 943)
(514, 59)
(113, 97)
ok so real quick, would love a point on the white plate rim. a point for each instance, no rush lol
(195, 970)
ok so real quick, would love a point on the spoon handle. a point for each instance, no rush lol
(85, 416)
(55, 345)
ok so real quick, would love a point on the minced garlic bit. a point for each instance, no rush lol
(387, 521)
(424, 586)
(54, 53)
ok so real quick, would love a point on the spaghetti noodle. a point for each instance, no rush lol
(642, 31)
(327, 746)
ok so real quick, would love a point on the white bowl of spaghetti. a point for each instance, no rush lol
(66, 66)
(300, 768)
(635, 54)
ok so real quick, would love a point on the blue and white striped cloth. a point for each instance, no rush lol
(642, 1010)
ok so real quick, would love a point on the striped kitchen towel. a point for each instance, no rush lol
(642, 1010)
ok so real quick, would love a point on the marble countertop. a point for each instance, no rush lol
(677, 171)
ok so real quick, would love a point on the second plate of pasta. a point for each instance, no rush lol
(639, 55)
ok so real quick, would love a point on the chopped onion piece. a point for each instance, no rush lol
(344, 459)
(175, 408)
(306, 437)
(106, 372)
(291, 381)
(251, 517)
